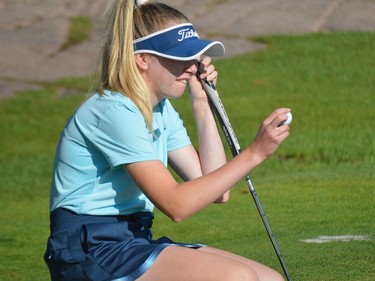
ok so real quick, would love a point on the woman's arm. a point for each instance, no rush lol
(187, 162)
(179, 201)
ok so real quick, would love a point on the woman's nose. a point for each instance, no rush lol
(192, 67)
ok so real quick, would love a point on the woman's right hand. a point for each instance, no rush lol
(270, 134)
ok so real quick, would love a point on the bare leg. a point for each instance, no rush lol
(179, 263)
(264, 273)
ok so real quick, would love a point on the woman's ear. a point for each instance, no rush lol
(142, 61)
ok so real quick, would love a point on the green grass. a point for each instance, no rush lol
(319, 182)
(79, 31)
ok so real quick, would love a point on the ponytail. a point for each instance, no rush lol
(119, 70)
(127, 22)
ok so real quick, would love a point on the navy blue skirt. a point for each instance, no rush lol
(84, 247)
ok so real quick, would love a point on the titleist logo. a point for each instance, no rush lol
(187, 33)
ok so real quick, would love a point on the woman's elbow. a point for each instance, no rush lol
(177, 214)
(177, 218)
(224, 198)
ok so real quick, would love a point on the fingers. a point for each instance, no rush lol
(277, 117)
(206, 70)
(271, 134)
(273, 124)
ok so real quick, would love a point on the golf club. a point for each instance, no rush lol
(228, 131)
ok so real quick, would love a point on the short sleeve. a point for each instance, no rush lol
(122, 135)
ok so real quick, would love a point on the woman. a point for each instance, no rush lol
(111, 162)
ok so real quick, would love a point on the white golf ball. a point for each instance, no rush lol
(289, 119)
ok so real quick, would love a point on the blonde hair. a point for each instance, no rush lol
(126, 23)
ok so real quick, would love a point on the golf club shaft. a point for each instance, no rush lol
(223, 119)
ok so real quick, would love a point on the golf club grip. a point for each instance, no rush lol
(222, 117)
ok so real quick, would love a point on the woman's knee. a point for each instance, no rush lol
(241, 273)
(277, 277)
(248, 274)
(271, 276)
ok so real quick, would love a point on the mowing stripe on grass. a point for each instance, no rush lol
(340, 238)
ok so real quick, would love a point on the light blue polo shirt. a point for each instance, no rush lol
(105, 132)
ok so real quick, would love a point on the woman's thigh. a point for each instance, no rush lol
(179, 263)
(264, 273)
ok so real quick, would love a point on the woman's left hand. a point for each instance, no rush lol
(206, 70)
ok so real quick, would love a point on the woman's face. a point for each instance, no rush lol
(168, 78)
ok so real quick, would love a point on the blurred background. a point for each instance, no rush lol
(35, 43)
